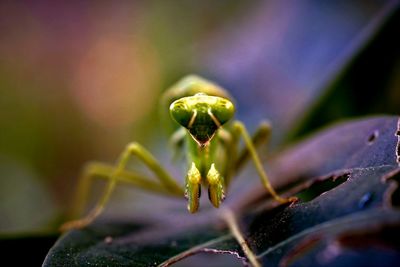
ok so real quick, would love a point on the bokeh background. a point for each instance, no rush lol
(80, 79)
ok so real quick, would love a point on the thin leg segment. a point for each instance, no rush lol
(241, 130)
(260, 136)
(230, 219)
(119, 173)
(231, 142)
(104, 171)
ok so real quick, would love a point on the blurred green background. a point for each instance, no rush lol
(80, 79)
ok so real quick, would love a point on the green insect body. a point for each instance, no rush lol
(202, 110)
(202, 116)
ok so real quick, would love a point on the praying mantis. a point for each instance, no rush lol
(210, 139)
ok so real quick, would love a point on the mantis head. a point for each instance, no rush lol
(202, 115)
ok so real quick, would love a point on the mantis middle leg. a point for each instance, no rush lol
(118, 173)
(240, 158)
(240, 130)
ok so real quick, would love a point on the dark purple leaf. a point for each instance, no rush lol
(326, 226)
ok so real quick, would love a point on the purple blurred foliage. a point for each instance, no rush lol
(280, 57)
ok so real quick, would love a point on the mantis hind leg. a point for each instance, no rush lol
(240, 130)
(116, 174)
(233, 226)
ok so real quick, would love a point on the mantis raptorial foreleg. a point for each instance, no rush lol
(241, 130)
(119, 174)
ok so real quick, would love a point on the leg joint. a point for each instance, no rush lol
(238, 126)
(134, 147)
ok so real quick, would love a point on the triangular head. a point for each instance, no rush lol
(202, 115)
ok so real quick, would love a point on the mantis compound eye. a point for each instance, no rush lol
(202, 114)
(180, 112)
(223, 110)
